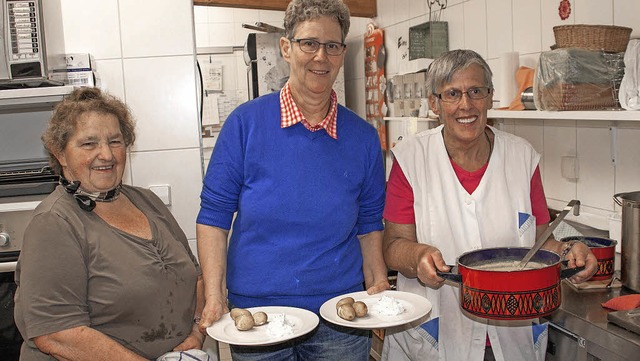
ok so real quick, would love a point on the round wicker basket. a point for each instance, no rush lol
(608, 38)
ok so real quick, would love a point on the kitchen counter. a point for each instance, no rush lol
(582, 317)
(580, 329)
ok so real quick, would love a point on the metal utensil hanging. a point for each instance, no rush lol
(442, 4)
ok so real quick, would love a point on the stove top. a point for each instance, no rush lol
(629, 319)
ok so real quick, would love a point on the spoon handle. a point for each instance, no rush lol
(547, 232)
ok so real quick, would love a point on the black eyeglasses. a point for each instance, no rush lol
(332, 48)
(454, 95)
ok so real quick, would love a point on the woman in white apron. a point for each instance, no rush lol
(456, 188)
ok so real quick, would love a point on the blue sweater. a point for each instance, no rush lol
(301, 199)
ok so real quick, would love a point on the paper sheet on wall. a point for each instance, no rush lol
(212, 75)
(210, 113)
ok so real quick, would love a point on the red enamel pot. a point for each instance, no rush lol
(492, 285)
(605, 251)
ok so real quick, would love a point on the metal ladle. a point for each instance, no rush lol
(575, 205)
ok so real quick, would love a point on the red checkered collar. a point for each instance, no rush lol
(291, 114)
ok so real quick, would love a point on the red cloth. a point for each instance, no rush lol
(620, 303)
(399, 203)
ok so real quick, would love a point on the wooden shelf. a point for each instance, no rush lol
(362, 8)
(620, 115)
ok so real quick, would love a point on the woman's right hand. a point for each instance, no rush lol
(403, 252)
(429, 261)
(214, 308)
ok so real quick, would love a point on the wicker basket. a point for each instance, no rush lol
(608, 38)
(585, 96)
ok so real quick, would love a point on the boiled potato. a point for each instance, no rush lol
(346, 312)
(345, 301)
(260, 318)
(360, 308)
(239, 311)
(244, 322)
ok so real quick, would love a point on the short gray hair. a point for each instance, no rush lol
(299, 11)
(442, 69)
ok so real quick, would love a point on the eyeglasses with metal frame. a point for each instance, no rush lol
(455, 95)
(311, 46)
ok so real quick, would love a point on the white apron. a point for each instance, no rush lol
(496, 214)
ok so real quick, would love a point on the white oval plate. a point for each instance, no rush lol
(415, 307)
(224, 330)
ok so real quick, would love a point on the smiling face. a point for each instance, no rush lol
(95, 154)
(465, 120)
(313, 74)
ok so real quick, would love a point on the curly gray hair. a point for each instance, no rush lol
(66, 114)
(302, 10)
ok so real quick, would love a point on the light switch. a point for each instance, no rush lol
(163, 192)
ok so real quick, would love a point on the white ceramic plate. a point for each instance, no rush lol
(225, 330)
(414, 307)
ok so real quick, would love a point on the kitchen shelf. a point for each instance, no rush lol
(419, 119)
(620, 115)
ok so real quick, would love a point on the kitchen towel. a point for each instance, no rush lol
(524, 80)
(507, 88)
(620, 303)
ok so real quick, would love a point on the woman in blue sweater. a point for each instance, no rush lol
(306, 178)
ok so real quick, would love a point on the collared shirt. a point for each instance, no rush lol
(291, 114)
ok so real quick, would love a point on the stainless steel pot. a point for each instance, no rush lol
(630, 239)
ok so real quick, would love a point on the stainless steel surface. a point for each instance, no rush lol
(630, 239)
(582, 314)
(627, 319)
(269, 28)
(15, 214)
(575, 205)
(8, 266)
(562, 345)
(527, 99)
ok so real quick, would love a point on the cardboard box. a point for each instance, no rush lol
(412, 101)
(78, 70)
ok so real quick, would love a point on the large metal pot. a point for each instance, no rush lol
(489, 291)
(630, 239)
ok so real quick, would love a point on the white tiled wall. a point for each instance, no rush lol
(144, 53)
(490, 27)
(493, 27)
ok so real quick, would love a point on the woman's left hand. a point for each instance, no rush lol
(193, 341)
(379, 287)
(580, 255)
